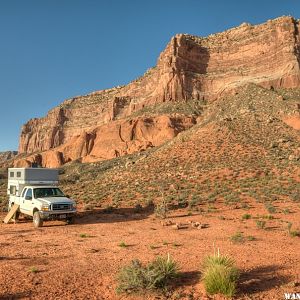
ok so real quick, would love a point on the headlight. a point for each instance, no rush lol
(74, 205)
(45, 207)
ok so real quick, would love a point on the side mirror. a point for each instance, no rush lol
(28, 198)
(68, 196)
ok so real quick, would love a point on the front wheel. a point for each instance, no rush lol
(37, 220)
(70, 220)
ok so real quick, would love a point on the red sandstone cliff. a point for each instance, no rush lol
(88, 127)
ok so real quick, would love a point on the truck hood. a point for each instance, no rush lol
(51, 200)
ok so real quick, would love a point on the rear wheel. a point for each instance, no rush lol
(37, 220)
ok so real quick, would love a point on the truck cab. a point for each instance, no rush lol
(35, 191)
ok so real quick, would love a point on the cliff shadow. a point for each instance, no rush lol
(204, 57)
(194, 67)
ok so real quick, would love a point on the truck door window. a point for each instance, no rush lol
(28, 194)
(24, 191)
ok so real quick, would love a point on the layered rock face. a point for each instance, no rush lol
(190, 68)
(111, 140)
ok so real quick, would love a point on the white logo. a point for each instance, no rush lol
(291, 296)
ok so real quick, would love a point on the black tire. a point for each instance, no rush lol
(37, 220)
(70, 220)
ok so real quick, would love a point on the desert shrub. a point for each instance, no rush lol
(33, 270)
(161, 210)
(237, 238)
(219, 275)
(246, 217)
(123, 244)
(131, 278)
(156, 275)
(261, 224)
(160, 271)
(270, 208)
(292, 233)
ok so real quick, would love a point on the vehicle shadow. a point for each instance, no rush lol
(14, 296)
(262, 279)
(113, 215)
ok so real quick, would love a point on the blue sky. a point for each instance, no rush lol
(51, 50)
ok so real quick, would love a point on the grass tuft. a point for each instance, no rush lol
(123, 245)
(246, 217)
(219, 275)
(33, 270)
(237, 238)
(261, 224)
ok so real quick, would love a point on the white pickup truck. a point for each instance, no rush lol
(35, 191)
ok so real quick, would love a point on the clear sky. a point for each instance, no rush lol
(51, 50)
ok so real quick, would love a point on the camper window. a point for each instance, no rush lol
(12, 189)
(19, 174)
(12, 174)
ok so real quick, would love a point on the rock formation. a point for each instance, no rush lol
(7, 155)
(110, 140)
(190, 68)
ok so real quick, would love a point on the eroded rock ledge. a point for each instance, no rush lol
(190, 68)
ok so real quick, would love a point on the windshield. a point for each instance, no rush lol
(47, 192)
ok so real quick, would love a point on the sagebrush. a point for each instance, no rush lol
(155, 275)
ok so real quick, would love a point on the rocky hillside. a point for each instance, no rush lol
(248, 149)
(191, 70)
(7, 155)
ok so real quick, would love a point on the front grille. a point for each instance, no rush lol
(61, 206)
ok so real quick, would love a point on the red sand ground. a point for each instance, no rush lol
(73, 267)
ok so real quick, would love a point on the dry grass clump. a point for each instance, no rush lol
(219, 274)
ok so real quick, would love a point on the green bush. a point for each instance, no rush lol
(246, 217)
(219, 275)
(156, 275)
(237, 238)
(261, 224)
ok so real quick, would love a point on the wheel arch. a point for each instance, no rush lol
(34, 210)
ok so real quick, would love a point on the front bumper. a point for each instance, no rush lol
(57, 215)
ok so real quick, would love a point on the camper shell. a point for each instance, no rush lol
(18, 178)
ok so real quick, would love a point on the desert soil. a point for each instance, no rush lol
(80, 261)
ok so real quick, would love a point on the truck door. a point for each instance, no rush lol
(22, 200)
(28, 202)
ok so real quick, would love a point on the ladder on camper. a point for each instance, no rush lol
(12, 213)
